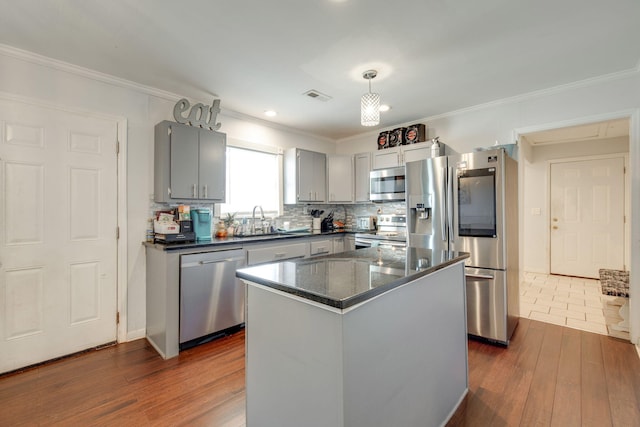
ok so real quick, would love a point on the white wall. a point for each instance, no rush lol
(30, 76)
(613, 96)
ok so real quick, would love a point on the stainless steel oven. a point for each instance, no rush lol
(387, 185)
(372, 240)
(391, 232)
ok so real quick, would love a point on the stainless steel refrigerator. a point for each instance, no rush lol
(469, 203)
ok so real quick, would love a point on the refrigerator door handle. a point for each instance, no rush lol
(479, 276)
(450, 196)
(443, 208)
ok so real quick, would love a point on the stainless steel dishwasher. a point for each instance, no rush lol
(211, 297)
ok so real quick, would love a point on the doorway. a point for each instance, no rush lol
(58, 241)
(569, 297)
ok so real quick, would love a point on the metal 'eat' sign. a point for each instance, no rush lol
(200, 114)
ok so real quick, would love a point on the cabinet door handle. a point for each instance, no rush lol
(206, 192)
(279, 255)
(194, 191)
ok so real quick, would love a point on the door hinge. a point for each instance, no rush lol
(117, 232)
(117, 317)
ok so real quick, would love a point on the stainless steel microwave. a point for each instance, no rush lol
(386, 185)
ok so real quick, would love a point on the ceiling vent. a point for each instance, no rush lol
(314, 94)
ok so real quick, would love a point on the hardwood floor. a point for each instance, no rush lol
(549, 376)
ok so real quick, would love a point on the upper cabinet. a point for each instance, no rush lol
(189, 164)
(362, 163)
(340, 176)
(400, 155)
(305, 176)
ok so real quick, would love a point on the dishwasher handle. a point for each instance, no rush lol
(214, 257)
(219, 260)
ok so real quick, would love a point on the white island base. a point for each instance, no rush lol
(398, 359)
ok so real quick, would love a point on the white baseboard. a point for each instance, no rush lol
(136, 335)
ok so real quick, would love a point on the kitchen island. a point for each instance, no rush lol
(373, 337)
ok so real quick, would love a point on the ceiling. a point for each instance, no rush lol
(432, 56)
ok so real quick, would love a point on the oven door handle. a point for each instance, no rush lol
(379, 243)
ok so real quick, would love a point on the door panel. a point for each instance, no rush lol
(184, 162)
(587, 216)
(211, 167)
(58, 247)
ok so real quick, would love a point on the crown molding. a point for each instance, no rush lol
(55, 64)
(618, 75)
(515, 99)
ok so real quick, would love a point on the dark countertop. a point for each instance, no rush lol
(346, 279)
(244, 239)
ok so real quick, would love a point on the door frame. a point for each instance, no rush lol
(627, 211)
(121, 211)
(633, 176)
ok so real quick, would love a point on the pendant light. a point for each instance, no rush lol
(370, 103)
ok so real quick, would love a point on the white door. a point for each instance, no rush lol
(58, 250)
(587, 216)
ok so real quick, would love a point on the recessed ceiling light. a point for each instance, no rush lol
(270, 113)
(384, 107)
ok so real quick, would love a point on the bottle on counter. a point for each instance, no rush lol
(150, 232)
(221, 230)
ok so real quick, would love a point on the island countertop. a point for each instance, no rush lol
(346, 279)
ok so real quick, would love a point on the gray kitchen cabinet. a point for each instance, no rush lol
(273, 252)
(349, 243)
(190, 164)
(340, 179)
(338, 244)
(398, 156)
(321, 247)
(415, 152)
(305, 176)
(362, 163)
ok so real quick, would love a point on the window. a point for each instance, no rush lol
(253, 178)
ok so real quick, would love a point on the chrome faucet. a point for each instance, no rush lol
(253, 217)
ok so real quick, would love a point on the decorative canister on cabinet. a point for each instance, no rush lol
(415, 133)
(399, 136)
(393, 138)
(383, 140)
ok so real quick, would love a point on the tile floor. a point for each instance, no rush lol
(570, 301)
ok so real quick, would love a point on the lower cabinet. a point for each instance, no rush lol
(338, 244)
(321, 247)
(349, 243)
(275, 252)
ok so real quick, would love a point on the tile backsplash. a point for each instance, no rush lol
(298, 215)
